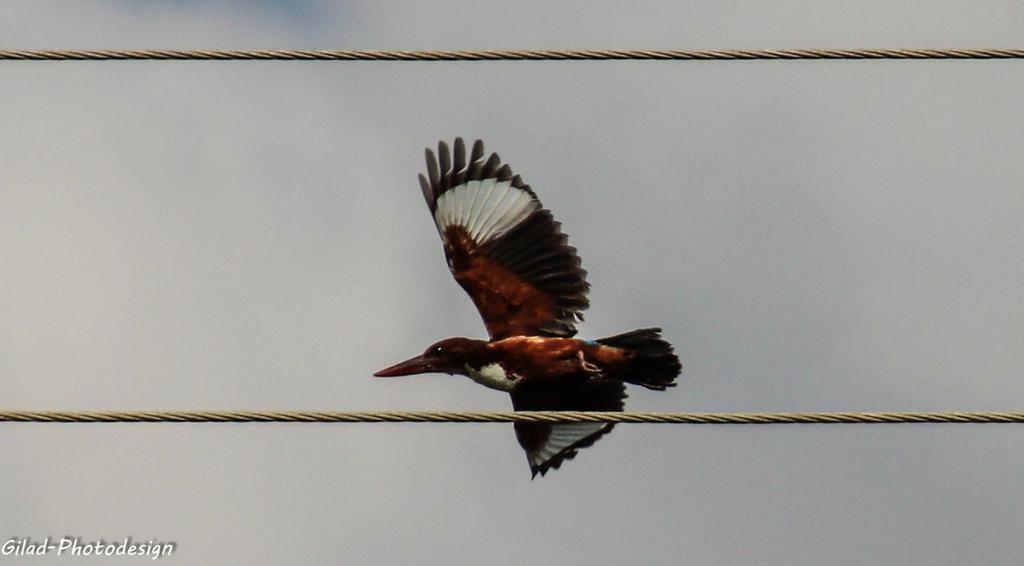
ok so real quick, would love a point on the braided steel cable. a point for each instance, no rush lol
(505, 417)
(501, 55)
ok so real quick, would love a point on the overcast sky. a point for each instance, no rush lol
(250, 235)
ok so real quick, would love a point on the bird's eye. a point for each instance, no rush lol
(438, 350)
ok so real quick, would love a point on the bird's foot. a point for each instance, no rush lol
(587, 366)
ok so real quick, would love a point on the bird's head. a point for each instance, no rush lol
(447, 356)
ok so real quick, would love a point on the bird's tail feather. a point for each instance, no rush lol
(653, 363)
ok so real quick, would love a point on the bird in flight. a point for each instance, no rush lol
(510, 255)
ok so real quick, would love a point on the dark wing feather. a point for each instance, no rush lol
(548, 445)
(502, 246)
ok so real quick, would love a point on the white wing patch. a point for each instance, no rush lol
(563, 436)
(486, 209)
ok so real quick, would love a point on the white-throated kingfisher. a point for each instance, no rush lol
(508, 252)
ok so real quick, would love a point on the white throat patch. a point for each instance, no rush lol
(493, 376)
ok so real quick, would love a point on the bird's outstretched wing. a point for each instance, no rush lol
(502, 246)
(548, 445)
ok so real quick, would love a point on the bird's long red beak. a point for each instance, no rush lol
(412, 366)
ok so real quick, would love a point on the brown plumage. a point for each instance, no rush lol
(526, 280)
(510, 255)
